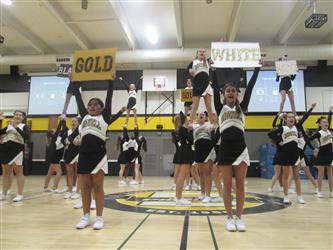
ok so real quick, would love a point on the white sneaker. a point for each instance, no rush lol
(201, 197)
(280, 189)
(18, 197)
(57, 191)
(269, 190)
(187, 187)
(142, 182)
(75, 196)
(173, 186)
(83, 223)
(331, 196)
(99, 223)
(194, 186)
(286, 200)
(133, 182)
(3, 197)
(67, 195)
(300, 200)
(207, 199)
(183, 202)
(93, 205)
(48, 190)
(74, 189)
(78, 205)
(64, 190)
(216, 200)
(231, 226)
(122, 182)
(291, 191)
(240, 225)
(9, 191)
(320, 194)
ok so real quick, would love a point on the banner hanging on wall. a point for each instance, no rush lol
(97, 64)
(286, 68)
(235, 55)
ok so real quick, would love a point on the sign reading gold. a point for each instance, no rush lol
(97, 64)
(186, 95)
(235, 55)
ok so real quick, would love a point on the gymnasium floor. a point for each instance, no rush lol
(46, 221)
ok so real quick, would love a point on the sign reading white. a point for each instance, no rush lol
(286, 68)
(235, 55)
(159, 80)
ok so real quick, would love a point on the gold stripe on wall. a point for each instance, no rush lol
(252, 122)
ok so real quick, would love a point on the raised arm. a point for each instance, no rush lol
(275, 120)
(136, 133)
(307, 114)
(330, 117)
(217, 98)
(306, 138)
(125, 134)
(73, 89)
(57, 132)
(126, 85)
(116, 116)
(107, 109)
(292, 77)
(137, 84)
(246, 99)
(73, 135)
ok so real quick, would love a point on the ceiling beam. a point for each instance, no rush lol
(291, 23)
(235, 20)
(179, 22)
(5, 50)
(13, 23)
(121, 15)
(61, 16)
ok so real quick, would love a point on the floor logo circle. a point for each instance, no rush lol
(162, 202)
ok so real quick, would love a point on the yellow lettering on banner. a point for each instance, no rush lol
(97, 64)
(186, 95)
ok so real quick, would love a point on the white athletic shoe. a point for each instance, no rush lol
(93, 205)
(48, 190)
(99, 223)
(331, 196)
(9, 191)
(280, 189)
(18, 198)
(194, 186)
(207, 199)
(75, 196)
(183, 202)
(84, 222)
(74, 189)
(300, 200)
(142, 182)
(67, 195)
(58, 191)
(201, 197)
(3, 197)
(320, 194)
(78, 205)
(133, 182)
(291, 191)
(122, 182)
(216, 200)
(269, 190)
(286, 200)
(231, 226)
(240, 225)
(187, 187)
(173, 186)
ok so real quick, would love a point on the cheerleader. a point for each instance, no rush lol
(277, 157)
(324, 154)
(285, 88)
(71, 157)
(56, 145)
(177, 166)
(121, 158)
(233, 150)
(132, 90)
(216, 174)
(142, 144)
(11, 152)
(183, 155)
(188, 105)
(204, 155)
(199, 70)
(92, 164)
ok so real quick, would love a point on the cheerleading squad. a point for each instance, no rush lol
(213, 144)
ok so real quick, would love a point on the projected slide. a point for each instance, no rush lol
(266, 97)
(47, 96)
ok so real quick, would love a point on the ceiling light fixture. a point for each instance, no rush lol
(152, 35)
(6, 2)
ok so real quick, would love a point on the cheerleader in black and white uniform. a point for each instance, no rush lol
(122, 157)
(183, 157)
(285, 88)
(199, 70)
(233, 150)
(204, 155)
(93, 164)
(132, 90)
(71, 158)
(142, 144)
(55, 151)
(11, 152)
(188, 105)
(324, 154)
(177, 166)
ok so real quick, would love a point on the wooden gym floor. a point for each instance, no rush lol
(47, 221)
